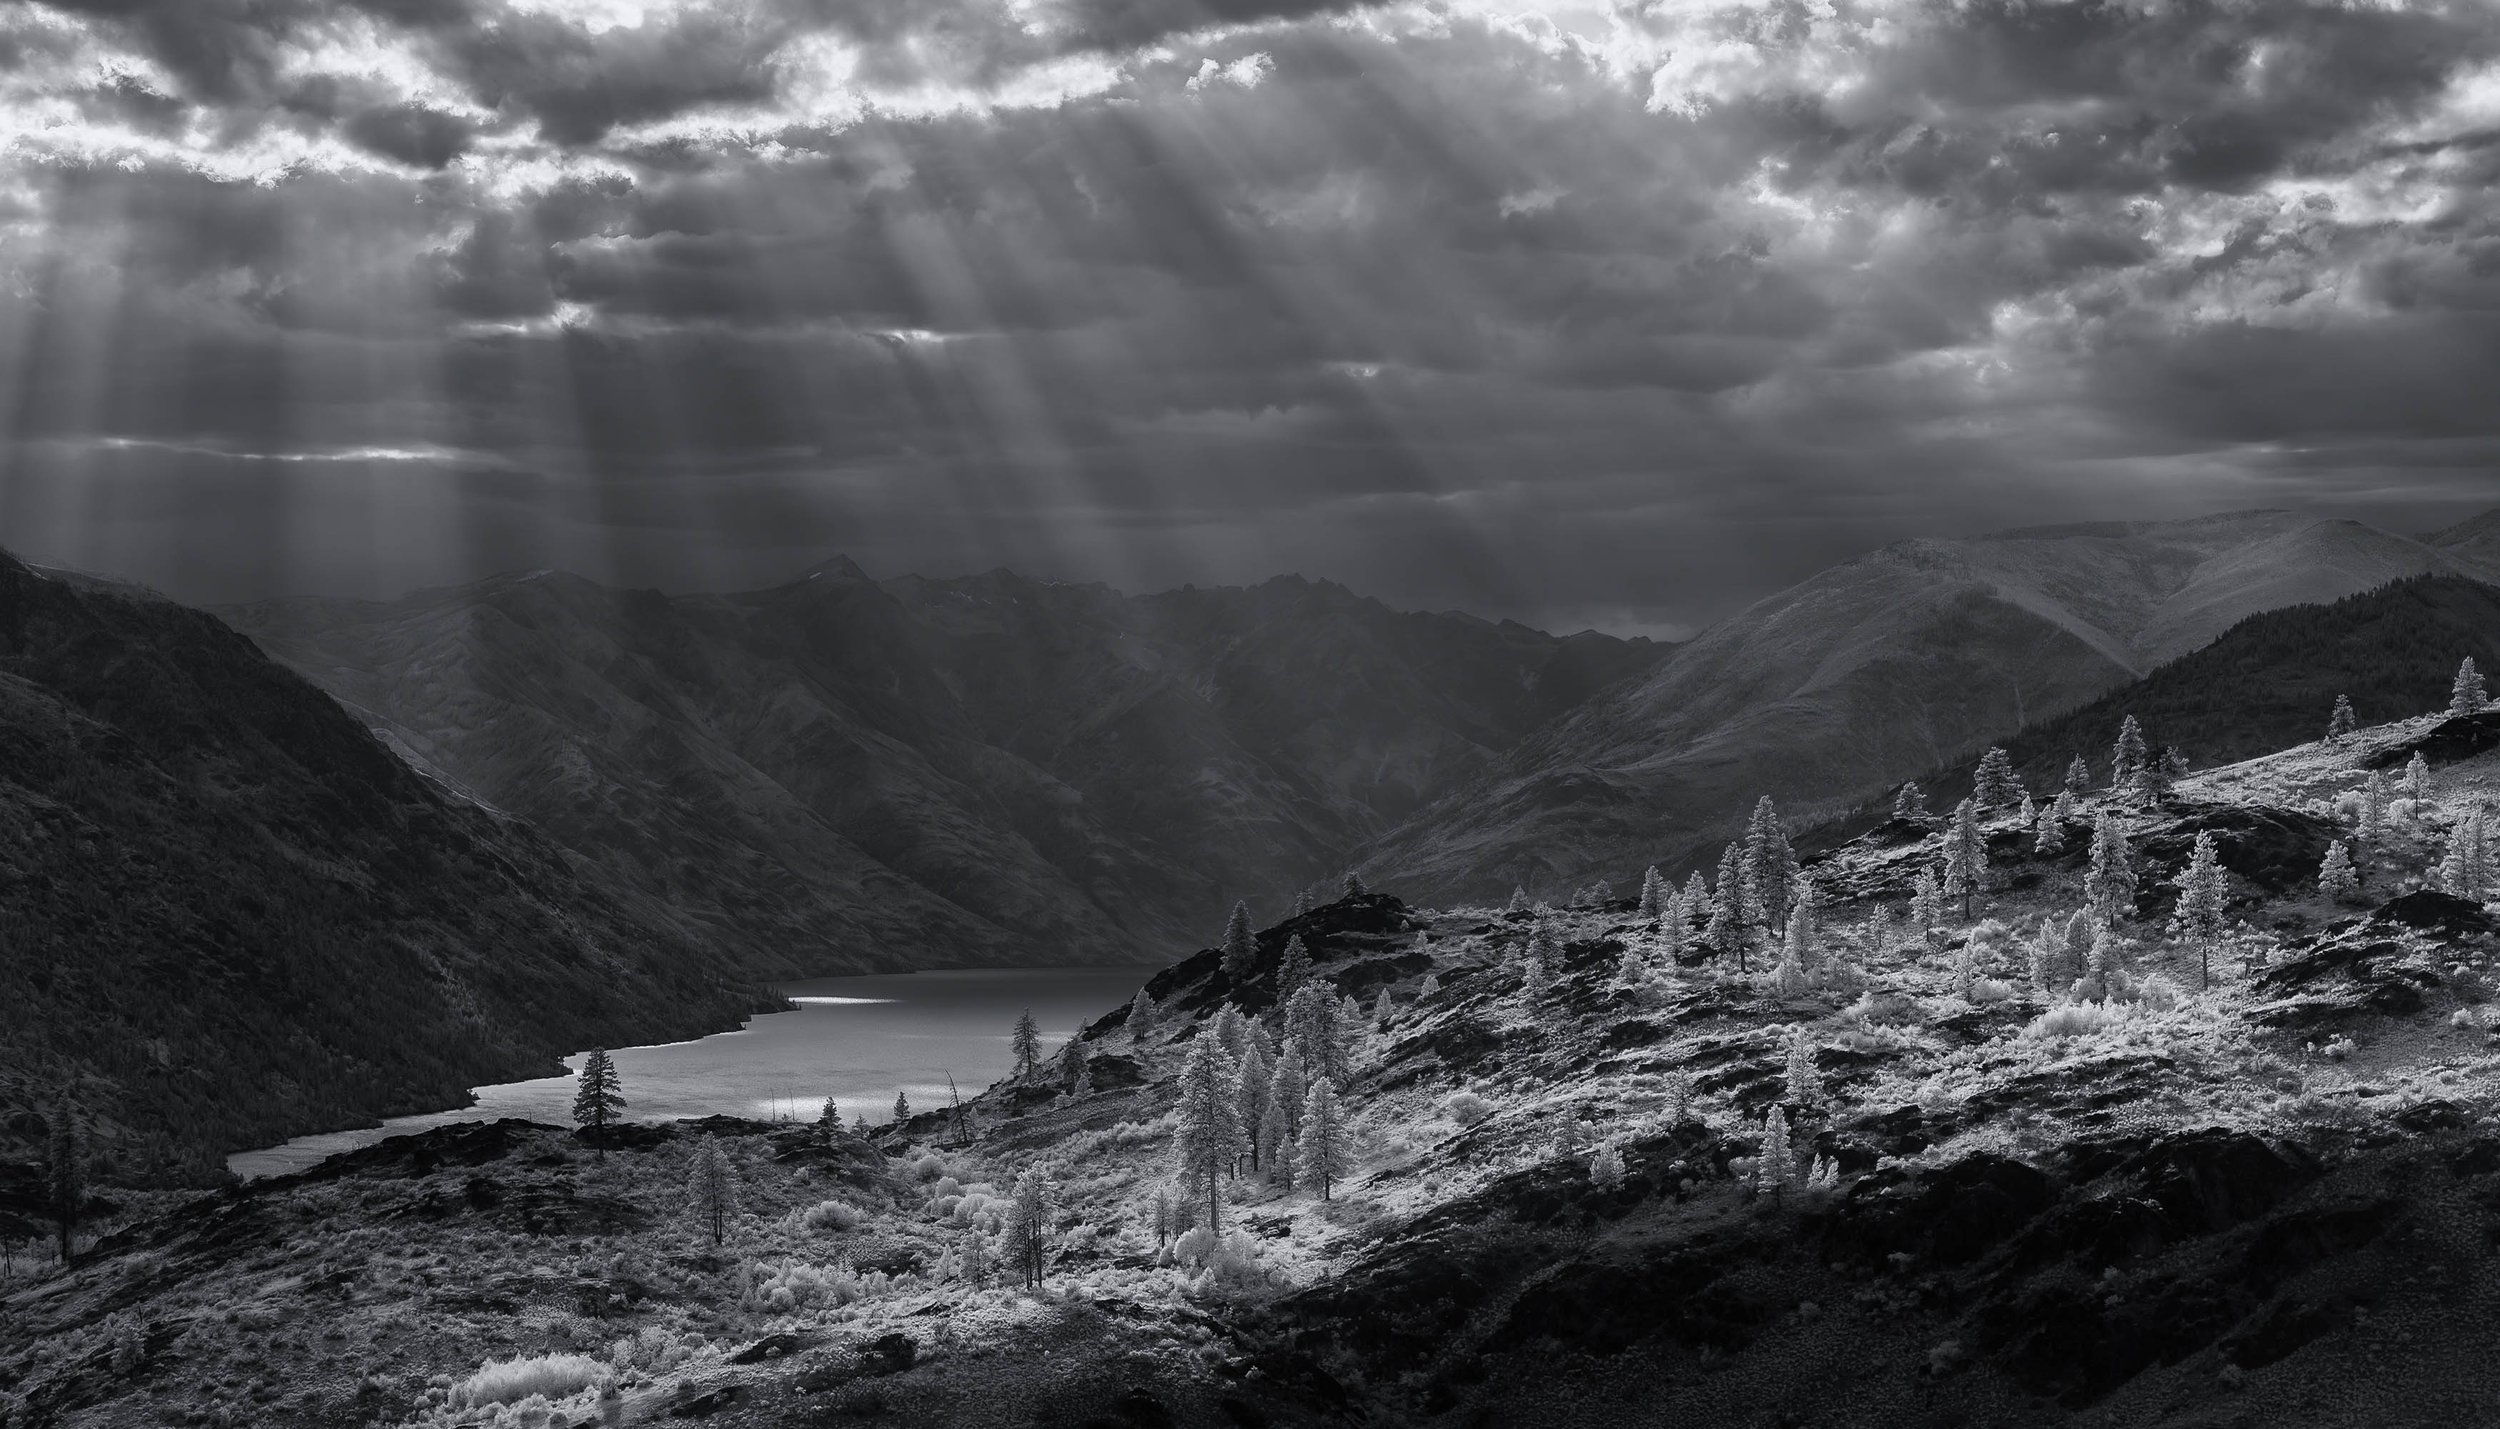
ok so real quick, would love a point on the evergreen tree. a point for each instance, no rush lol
(598, 1097)
(2417, 781)
(1776, 1169)
(2103, 960)
(2373, 806)
(2078, 777)
(2127, 756)
(2341, 725)
(1253, 1082)
(1293, 969)
(2337, 879)
(1232, 1030)
(1965, 856)
(1026, 1045)
(1323, 1148)
(2203, 892)
(2156, 779)
(1770, 865)
(65, 1178)
(859, 1125)
(2028, 812)
(830, 1117)
(1994, 786)
(2049, 973)
(1241, 946)
(2466, 695)
(1696, 899)
(1286, 1086)
(1654, 894)
(1143, 1013)
(1726, 933)
(1302, 903)
(712, 1189)
(2465, 871)
(1518, 900)
(1927, 906)
(1072, 1060)
(1539, 958)
(1430, 985)
(2051, 839)
(2068, 808)
(1606, 1167)
(1210, 1135)
(2110, 885)
(1805, 1079)
(1354, 885)
(1383, 1010)
(1025, 1242)
(1789, 977)
(1909, 804)
(1079, 1085)
(1311, 1025)
(1675, 930)
(902, 1108)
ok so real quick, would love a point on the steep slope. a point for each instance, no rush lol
(2271, 681)
(841, 773)
(229, 916)
(1895, 663)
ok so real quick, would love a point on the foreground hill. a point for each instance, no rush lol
(1871, 673)
(2026, 1189)
(229, 916)
(859, 774)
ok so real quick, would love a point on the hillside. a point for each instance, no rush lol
(1902, 661)
(229, 916)
(839, 774)
(2026, 1188)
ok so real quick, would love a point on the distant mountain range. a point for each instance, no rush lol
(1875, 671)
(229, 916)
(841, 773)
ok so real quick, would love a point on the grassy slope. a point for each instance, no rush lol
(2276, 1202)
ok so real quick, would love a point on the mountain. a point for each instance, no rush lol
(2270, 682)
(1867, 674)
(230, 916)
(841, 773)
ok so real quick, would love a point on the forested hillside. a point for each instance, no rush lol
(230, 916)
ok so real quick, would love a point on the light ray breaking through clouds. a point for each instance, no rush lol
(1619, 312)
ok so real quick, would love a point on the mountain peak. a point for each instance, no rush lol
(835, 567)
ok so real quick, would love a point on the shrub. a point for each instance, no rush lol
(929, 1167)
(1881, 1009)
(830, 1215)
(1988, 989)
(1465, 1108)
(2077, 1019)
(553, 1376)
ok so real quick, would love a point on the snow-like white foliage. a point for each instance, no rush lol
(1465, 1107)
(2337, 879)
(1323, 1149)
(2078, 1019)
(2465, 869)
(1909, 804)
(1804, 1085)
(1606, 1167)
(2128, 756)
(1209, 1135)
(1994, 785)
(1775, 1169)
(2343, 722)
(555, 1376)
(2466, 695)
(2110, 884)
(1654, 894)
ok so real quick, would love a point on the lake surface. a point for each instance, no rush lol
(858, 1040)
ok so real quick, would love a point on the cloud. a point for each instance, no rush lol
(1642, 310)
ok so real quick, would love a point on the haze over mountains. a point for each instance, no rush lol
(842, 772)
(845, 773)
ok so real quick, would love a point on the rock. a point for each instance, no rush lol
(709, 1402)
(771, 1347)
(2454, 738)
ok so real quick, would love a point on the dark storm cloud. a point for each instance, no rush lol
(1636, 313)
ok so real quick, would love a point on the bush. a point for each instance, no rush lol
(1465, 1108)
(1988, 989)
(830, 1216)
(553, 1376)
(2078, 1019)
(1882, 1009)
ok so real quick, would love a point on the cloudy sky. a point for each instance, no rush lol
(1584, 313)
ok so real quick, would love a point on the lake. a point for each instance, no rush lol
(858, 1040)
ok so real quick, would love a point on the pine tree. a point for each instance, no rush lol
(1026, 1045)
(1518, 899)
(2337, 879)
(1994, 786)
(712, 1189)
(1770, 864)
(2203, 892)
(2078, 777)
(1312, 1025)
(1232, 1030)
(2110, 885)
(1210, 1136)
(1425, 990)
(2103, 960)
(2156, 779)
(2465, 871)
(1697, 899)
(2049, 973)
(1025, 1244)
(859, 1125)
(1726, 932)
(1927, 908)
(1383, 1010)
(1353, 886)
(2127, 756)
(1654, 894)
(1805, 913)
(2466, 695)
(598, 1097)
(1606, 1167)
(2417, 781)
(1323, 1149)
(1251, 1085)
(1143, 1013)
(2341, 725)
(1776, 1169)
(830, 1117)
(1789, 978)
(1805, 1080)
(1072, 1060)
(902, 1108)
(65, 1178)
(1302, 903)
(1283, 1112)
(1909, 804)
(1292, 969)
(2373, 815)
(1675, 930)
(2027, 811)
(2051, 839)
(1965, 856)
(2068, 808)
(1241, 946)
